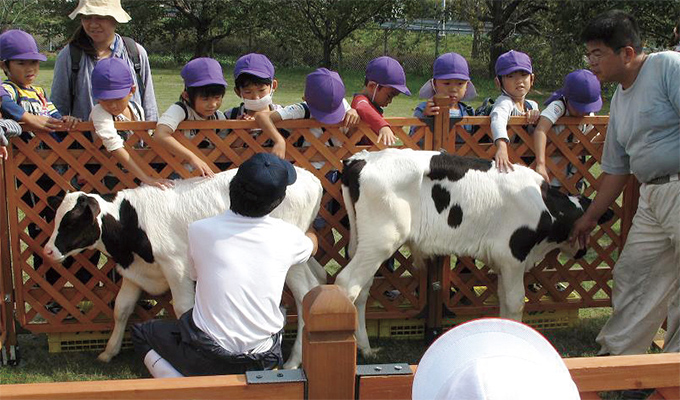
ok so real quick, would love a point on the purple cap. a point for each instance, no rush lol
(201, 72)
(254, 64)
(111, 79)
(386, 71)
(266, 176)
(582, 91)
(512, 61)
(16, 44)
(449, 66)
(324, 92)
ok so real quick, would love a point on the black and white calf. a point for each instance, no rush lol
(145, 231)
(440, 204)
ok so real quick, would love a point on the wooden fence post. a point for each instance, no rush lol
(441, 123)
(328, 344)
(8, 337)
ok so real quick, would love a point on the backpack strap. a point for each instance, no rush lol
(133, 53)
(184, 107)
(527, 105)
(76, 55)
(233, 113)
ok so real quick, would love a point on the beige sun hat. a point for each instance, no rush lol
(109, 8)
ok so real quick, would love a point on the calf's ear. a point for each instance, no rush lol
(606, 217)
(54, 202)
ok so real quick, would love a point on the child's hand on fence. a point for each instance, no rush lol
(70, 122)
(351, 118)
(42, 123)
(431, 109)
(3, 152)
(386, 136)
(503, 163)
(532, 116)
(543, 171)
(202, 167)
(246, 117)
(158, 182)
(279, 149)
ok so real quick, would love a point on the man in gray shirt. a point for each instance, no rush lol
(643, 138)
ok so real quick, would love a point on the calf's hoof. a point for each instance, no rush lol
(104, 357)
(371, 352)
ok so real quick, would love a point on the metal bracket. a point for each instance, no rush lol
(278, 376)
(383, 369)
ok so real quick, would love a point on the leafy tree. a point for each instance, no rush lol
(15, 13)
(331, 21)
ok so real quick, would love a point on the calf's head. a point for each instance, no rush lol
(566, 209)
(77, 225)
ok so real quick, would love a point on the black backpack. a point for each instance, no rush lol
(77, 55)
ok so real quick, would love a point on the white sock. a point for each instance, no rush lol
(160, 367)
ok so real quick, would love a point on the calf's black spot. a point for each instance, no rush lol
(351, 170)
(455, 216)
(454, 167)
(524, 238)
(124, 237)
(78, 228)
(441, 197)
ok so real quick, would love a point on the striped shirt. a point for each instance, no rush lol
(8, 129)
(32, 99)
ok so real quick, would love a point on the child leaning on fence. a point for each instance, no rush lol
(255, 84)
(579, 96)
(385, 79)
(204, 88)
(112, 88)
(450, 77)
(514, 76)
(21, 64)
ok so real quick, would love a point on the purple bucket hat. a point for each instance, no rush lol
(386, 71)
(582, 91)
(111, 79)
(16, 44)
(512, 61)
(254, 64)
(324, 94)
(201, 72)
(449, 66)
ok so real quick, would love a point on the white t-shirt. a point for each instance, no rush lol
(104, 125)
(301, 111)
(504, 108)
(558, 109)
(176, 114)
(240, 266)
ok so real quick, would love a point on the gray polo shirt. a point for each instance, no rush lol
(83, 103)
(643, 136)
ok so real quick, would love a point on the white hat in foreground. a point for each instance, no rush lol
(106, 8)
(493, 359)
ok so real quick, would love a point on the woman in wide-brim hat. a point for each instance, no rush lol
(96, 39)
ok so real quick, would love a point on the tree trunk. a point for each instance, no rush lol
(496, 48)
(327, 51)
(476, 38)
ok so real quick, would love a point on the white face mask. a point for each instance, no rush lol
(259, 104)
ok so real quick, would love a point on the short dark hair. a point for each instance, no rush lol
(246, 79)
(205, 91)
(247, 203)
(615, 28)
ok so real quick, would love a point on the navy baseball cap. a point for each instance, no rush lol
(254, 64)
(203, 71)
(16, 44)
(512, 61)
(267, 175)
(582, 91)
(111, 79)
(324, 92)
(386, 71)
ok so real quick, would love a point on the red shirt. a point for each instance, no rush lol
(368, 112)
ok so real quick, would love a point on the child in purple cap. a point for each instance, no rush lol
(579, 96)
(324, 100)
(254, 84)
(204, 89)
(514, 76)
(385, 79)
(450, 77)
(21, 64)
(112, 89)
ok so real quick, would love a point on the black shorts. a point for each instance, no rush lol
(192, 352)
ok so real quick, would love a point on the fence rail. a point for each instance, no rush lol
(84, 288)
